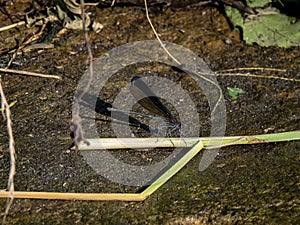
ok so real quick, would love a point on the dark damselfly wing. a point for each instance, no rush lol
(149, 100)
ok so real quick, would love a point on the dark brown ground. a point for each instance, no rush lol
(257, 184)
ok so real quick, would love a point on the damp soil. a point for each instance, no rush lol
(255, 184)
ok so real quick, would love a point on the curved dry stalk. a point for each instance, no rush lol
(76, 126)
(179, 63)
(12, 152)
(156, 35)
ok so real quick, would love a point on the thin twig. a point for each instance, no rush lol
(26, 73)
(179, 63)
(8, 27)
(33, 38)
(253, 68)
(258, 76)
(12, 171)
(154, 31)
(76, 126)
(89, 49)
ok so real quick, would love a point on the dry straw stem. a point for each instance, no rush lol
(76, 126)
(26, 73)
(76, 196)
(156, 35)
(229, 72)
(12, 171)
(254, 68)
(8, 27)
(258, 76)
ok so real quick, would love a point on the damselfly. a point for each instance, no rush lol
(146, 97)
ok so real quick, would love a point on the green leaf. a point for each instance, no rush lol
(234, 15)
(234, 92)
(274, 29)
(258, 3)
(266, 28)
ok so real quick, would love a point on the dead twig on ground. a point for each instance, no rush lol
(26, 73)
(76, 126)
(230, 72)
(12, 171)
(156, 35)
(11, 26)
(254, 68)
(26, 42)
(258, 76)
